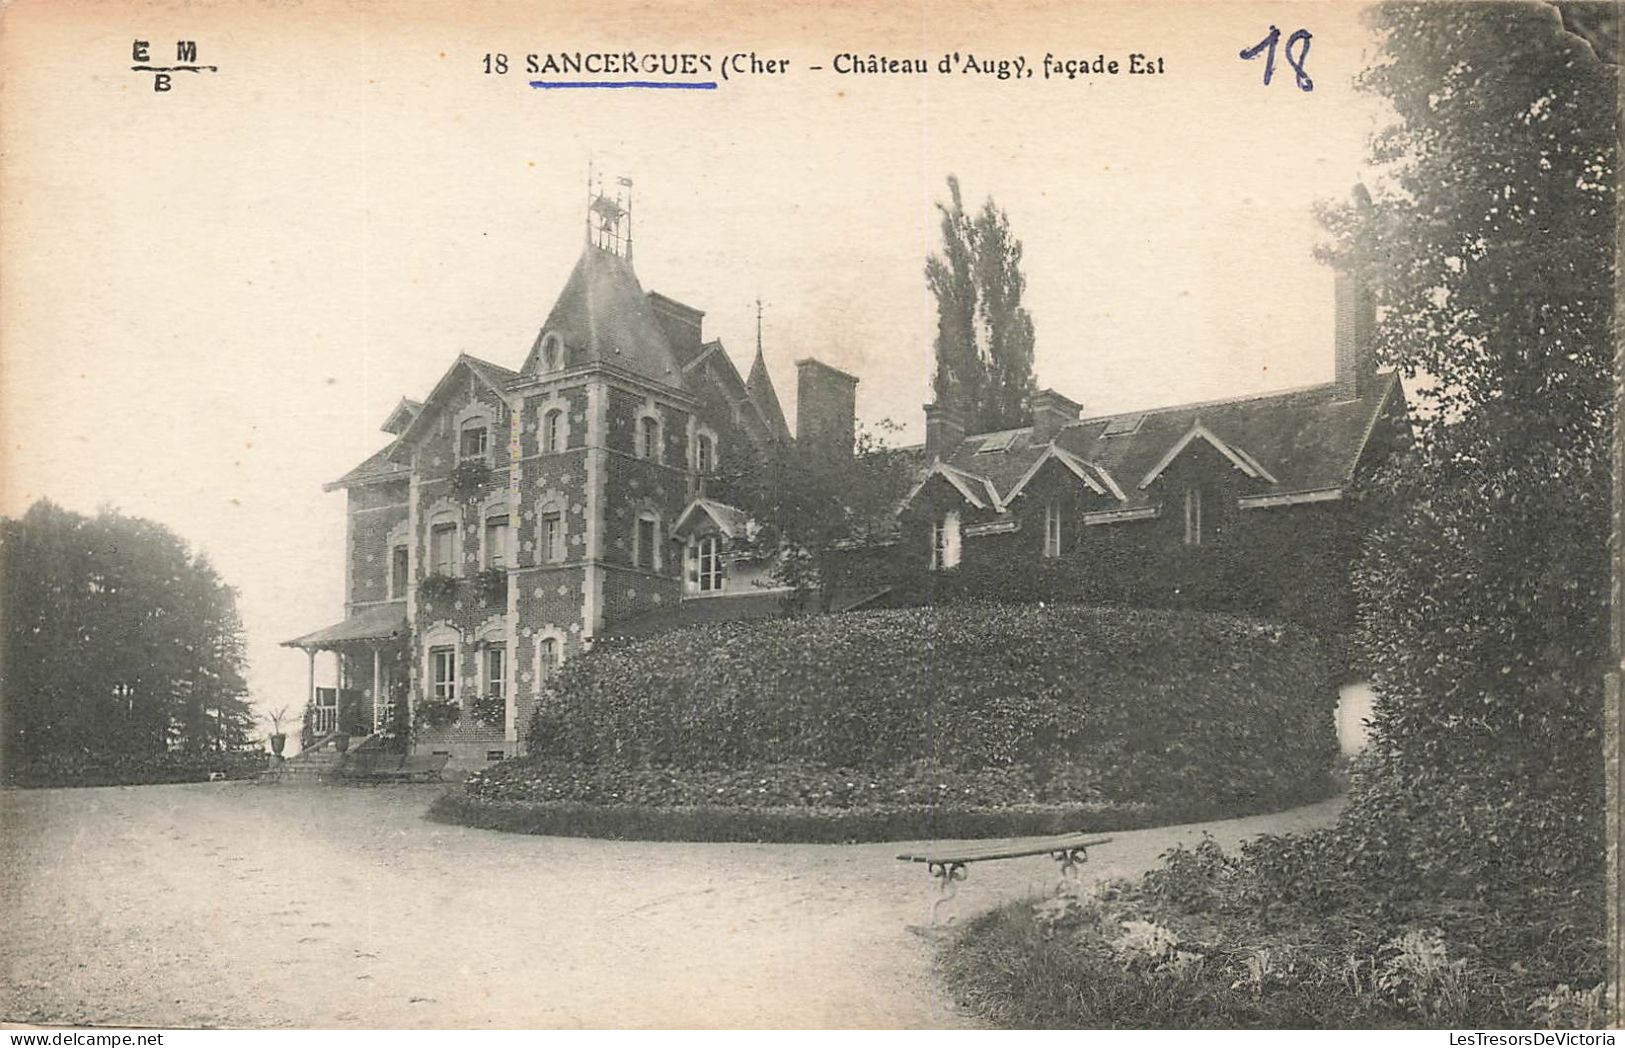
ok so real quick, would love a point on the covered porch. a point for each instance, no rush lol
(370, 671)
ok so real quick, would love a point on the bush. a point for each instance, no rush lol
(134, 769)
(1190, 946)
(1113, 703)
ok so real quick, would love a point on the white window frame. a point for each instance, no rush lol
(544, 549)
(555, 430)
(487, 547)
(494, 652)
(714, 579)
(946, 546)
(443, 689)
(648, 425)
(448, 524)
(1052, 528)
(705, 440)
(466, 425)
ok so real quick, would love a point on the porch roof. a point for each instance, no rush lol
(381, 622)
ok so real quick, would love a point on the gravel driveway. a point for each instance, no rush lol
(239, 905)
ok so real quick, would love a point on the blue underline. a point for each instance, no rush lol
(668, 85)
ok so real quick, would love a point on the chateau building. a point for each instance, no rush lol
(516, 514)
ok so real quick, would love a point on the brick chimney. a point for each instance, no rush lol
(1356, 324)
(1051, 411)
(944, 429)
(826, 408)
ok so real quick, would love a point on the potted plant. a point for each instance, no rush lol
(279, 739)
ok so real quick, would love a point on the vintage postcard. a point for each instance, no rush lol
(724, 515)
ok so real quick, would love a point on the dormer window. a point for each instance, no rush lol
(945, 546)
(649, 438)
(552, 355)
(553, 431)
(474, 441)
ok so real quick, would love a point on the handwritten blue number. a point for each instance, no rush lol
(1266, 47)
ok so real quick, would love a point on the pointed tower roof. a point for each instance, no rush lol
(603, 317)
(759, 387)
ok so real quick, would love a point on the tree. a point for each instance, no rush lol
(809, 507)
(117, 640)
(1483, 594)
(984, 342)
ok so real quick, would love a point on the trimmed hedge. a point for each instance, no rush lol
(1225, 706)
(806, 825)
(133, 769)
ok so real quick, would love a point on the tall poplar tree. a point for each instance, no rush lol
(984, 341)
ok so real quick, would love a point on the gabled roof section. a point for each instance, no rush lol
(402, 416)
(603, 317)
(380, 465)
(976, 490)
(1238, 458)
(730, 520)
(759, 387)
(493, 375)
(1096, 479)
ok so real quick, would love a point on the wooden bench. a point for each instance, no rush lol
(946, 863)
(391, 767)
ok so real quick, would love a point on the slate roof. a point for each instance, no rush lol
(604, 317)
(759, 386)
(376, 466)
(380, 622)
(1303, 440)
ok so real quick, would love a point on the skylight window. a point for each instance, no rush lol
(1118, 427)
(997, 442)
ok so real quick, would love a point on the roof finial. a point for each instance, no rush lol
(758, 325)
(589, 198)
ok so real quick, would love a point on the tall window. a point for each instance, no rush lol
(945, 541)
(547, 661)
(552, 548)
(1052, 529)
(443, 673)
(475, 439)
(649, 439)
(399, 571)
(553, 431)
(704, 454)
(496, 675)
(710, 564)
(1193, 516)
(443, 549)
(645, 543)
(496, 541)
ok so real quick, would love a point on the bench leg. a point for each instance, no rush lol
(948, 875)
(1069, 860)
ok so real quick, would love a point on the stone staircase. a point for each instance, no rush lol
(316, 764)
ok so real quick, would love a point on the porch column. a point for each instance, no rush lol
(310, 691)
(377, 685)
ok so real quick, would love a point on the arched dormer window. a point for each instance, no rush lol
(553, 432)
(646, 542)
(649, 438)
(551, 358)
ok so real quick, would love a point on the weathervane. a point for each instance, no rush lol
(609, 220)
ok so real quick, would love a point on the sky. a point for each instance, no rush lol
(211, 297)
